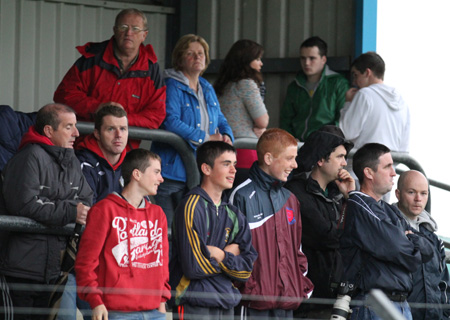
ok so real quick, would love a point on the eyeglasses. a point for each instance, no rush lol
(124, 28)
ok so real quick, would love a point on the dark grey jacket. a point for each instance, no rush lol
(44, 183)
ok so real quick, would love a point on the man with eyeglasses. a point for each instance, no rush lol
(120, 71)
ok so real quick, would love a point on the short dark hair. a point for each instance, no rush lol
(316, 42)
(368, 156)
(107, 110)
(210, 151)
(128, 11)
(49, 115)
(370, 60)
(136, 159)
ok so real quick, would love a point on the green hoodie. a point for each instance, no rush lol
(302, 114)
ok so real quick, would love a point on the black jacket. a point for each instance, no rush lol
(44, 183)
(320, 238)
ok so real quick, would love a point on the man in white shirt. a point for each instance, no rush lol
(374, 111)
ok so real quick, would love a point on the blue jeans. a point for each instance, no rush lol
(367, 313)
(70, 301)
(137, 315)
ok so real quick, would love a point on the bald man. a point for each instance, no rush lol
(431, 281)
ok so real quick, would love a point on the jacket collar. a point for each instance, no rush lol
(264, 181)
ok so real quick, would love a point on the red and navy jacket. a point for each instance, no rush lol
(273, 214)
(103, 177)
(200, 280)
(95, 78)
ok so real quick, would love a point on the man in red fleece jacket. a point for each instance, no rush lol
(122, 263)
(120, 71)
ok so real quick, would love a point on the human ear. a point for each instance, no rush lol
(136, 174)
(96, 134)
(397, 194)
(48, 131)
(320, 162)
(368, 173)
(206, 169)
(268, 158)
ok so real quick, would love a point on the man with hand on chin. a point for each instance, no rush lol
(321, 184)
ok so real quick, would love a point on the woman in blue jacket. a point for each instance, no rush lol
(192, 112)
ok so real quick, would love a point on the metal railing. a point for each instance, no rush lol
(158, 135)
(22, 224)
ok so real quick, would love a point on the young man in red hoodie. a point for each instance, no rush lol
(122, 263)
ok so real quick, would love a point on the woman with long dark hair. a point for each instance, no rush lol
(241, 90)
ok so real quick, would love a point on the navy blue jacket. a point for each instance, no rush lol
(102, 177)
(13, 125)
(375, 250)
(431, 280)
(197, 278)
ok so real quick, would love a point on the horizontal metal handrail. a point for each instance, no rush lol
(159, 135)
(16, 223)
(24, 224)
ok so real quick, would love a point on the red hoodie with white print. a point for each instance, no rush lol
(117, 233)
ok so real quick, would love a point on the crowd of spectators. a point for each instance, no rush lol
(295, 224)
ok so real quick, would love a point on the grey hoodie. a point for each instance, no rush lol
(424, 219)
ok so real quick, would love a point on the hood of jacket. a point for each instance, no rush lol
(176, 75)
(32, 136)
(301, 78)
(90, 143)
(424, 219)
(62, 155)
(389, 94)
